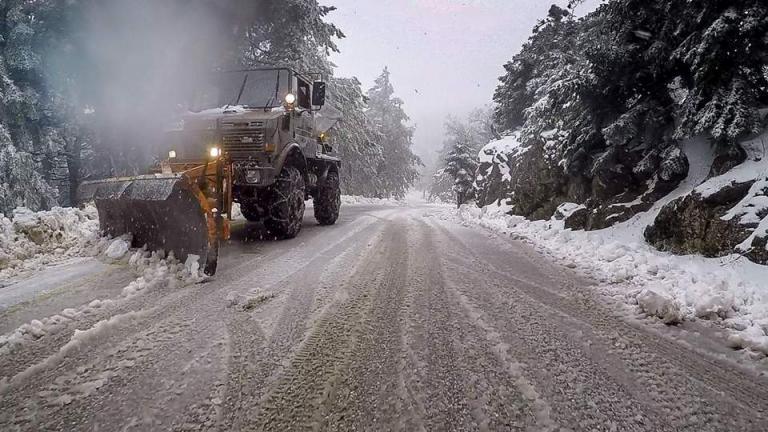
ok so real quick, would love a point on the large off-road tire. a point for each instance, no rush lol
(327, 200)
(250, 211)
(285, 206)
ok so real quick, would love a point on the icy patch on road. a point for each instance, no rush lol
(730, 291)
(32, 240)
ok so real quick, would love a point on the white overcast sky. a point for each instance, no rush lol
(445, 56)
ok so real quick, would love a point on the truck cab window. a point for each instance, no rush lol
(303, 96)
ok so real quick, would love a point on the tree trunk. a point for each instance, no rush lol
(459, 199)
(74, 165)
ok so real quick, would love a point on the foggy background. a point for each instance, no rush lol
(445, 56)
(129, 64)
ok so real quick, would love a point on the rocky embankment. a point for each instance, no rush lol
(715, 201)
(725, 214)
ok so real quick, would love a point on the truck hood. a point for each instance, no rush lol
(208, 119)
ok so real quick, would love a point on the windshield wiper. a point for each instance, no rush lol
(274, 96)
(239, 94)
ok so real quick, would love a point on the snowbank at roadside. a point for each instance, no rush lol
(730, 290)
(357, 200)
(30, 240)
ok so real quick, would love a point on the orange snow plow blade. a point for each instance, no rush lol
(167, 212)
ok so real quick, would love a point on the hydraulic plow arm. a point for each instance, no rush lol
(184, 208)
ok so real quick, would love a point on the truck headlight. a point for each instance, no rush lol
(290, 98)
(172, 154)
(215, 152)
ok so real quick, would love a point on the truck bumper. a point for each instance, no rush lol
(251, 174)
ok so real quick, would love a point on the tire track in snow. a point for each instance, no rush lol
(299, 398)
(676, 384)
(370, 392)
(576, 387)
(500, 396)
(302, 299)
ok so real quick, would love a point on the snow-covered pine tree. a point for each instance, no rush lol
(441, 186)
(476, 131)
(723, 59)
(622, 86)
(552, 37)
(25, 158)
(355, 138)
(461, 162)
(291, 33)
(545, 86)
(397, 171)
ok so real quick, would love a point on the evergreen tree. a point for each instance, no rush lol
(461, 165)
(608, 97)
(291, 33)
(464, 139)
(441, 186)
(355, 138)
(723, 60)
(397, 170)
(26, 158)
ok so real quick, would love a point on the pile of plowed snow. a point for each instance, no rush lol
(29, 240)
(153, 270)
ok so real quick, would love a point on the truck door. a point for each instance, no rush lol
(304, 128)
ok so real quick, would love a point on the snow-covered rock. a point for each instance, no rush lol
(725, 214)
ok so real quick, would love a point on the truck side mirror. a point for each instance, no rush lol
(318, 93)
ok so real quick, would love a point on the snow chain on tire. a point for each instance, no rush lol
(328, 200)
(286, 204)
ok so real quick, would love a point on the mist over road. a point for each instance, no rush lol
(393, 319)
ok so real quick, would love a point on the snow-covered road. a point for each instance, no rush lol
(392, 319)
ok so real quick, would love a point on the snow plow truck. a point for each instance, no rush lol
(257, 137)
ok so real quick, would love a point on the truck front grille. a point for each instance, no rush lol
(243, 143)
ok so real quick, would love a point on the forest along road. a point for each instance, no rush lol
(392, 319)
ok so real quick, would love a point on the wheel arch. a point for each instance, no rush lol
(323, 167)
(293, 156)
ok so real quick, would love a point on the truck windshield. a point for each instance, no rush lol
(246, 89)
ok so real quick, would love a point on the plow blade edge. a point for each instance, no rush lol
(166, 213)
